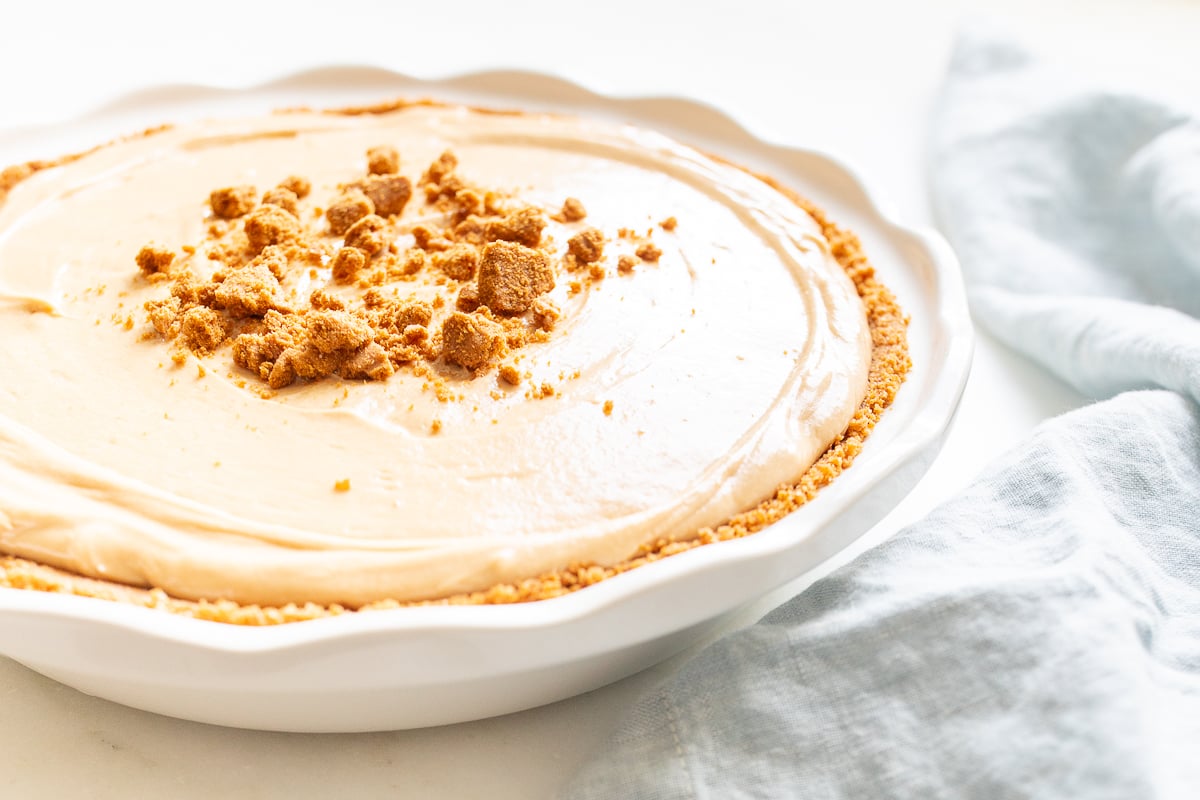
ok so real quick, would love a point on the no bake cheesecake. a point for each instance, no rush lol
(267, 369)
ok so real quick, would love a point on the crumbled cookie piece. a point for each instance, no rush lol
(389, 193)
(258, 349)
(225, 252)
(471, 230)
(572, 210)
(383, 160)
(545, 314)
(470, 340)
(233, 201)
(458, 262)
(202, 329)
(542, 391)
(468, 298)
(398, 316)
(312, 345)
(333, 331)
(669, 224)
(282, 373)
(470, 202)
(153, 260)
(251, 291)
(442, 167)
(648, 251)
(511, 276)
(284, 198)
(347, 210)
(625, 264)
(376, 297)
(399, 351)
(426, 238)
(164, 316)
(413, 262)
(494, 204)
(305, 362)
(325, 300)
(296, 185)
(369, 362)
(449, 189)
(367, 235)
(275, 259)
(510, 374)
(523, 227)
(192, 290)
(587, 246)
(347, 264)
(416, 335)
(268, 225)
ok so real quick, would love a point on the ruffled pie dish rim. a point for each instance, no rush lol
(439, 665)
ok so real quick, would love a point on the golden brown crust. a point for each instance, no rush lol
(889, 366)
(11, 176)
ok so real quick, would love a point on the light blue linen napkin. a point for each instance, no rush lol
(1038, 635)
(1075, 211)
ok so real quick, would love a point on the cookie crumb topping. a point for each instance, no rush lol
(383, 160)
(572, 210)
(152, 260)
(233, 201)
(364, 288)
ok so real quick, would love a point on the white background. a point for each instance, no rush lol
(855, 78)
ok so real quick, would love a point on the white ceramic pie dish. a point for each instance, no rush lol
(429, 666)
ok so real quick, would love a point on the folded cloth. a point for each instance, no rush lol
(1039, 634)
(1076, 214)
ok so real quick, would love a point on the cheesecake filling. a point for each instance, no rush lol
(668, 397)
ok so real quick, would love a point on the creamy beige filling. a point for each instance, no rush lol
(730, 365)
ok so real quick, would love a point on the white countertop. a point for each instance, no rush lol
(873, 67)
